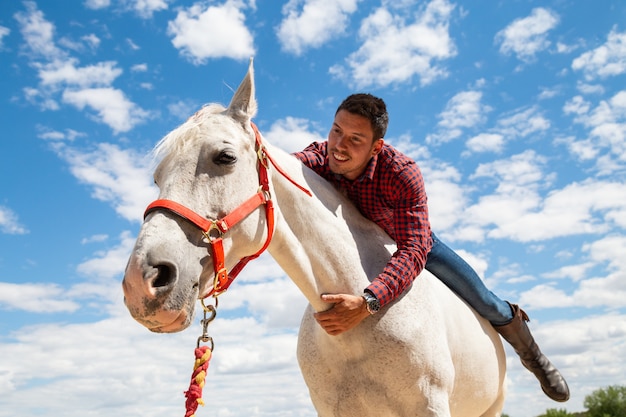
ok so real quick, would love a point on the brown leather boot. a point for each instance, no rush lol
(518, 335)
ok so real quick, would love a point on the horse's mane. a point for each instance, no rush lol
(175, 141)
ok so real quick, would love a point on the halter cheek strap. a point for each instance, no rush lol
(214, 230)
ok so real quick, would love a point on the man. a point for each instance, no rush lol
(388, 188)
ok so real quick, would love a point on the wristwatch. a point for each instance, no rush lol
(371, 302)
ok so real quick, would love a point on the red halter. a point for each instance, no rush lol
(223, 278)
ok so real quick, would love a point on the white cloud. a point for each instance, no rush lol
(55, 135)
(203, 32)
(516, 180)
(120, 177)
(318, 22)
(4, 31)
(412, 148)
(574, 272)
(394, 51)
(139, 67)
(606, 124)
(97, 4)
(292, 134)
(605, 61)
(35, 297)
(606, 291)
(522, 123)
(95, 238)
(609, 250)
(92, 40)
(464, 110)
(143, 8)
(132, 45)
(527, 36)
(66, 73)
(146, 8)
(586, 88)
(87, 86)
(563, 48)
(110, 264)
(37, 97)
(71, 44)
(576, 105)
(111, 105)
(182, 109)
(548, 93)
(283, 302)
(9, 223)
(447, 197)
(486, 142)
(102, 284)
(37, 32)
(79, 359)
(517, 212)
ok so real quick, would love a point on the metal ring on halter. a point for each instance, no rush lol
(266, 193)
(209, 235)
(210, 308)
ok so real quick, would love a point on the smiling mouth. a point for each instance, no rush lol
(339, 157)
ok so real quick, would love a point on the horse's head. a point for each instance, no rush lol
(209, 167)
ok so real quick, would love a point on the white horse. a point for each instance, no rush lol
(427, 354)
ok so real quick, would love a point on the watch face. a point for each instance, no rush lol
(373, 305)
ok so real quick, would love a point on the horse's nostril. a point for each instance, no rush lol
(164, 277)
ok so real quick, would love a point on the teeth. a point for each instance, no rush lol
(340, 157)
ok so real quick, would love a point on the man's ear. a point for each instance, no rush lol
(378, 146)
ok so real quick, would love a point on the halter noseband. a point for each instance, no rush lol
(214, 230)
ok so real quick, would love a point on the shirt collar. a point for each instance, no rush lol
(368, 174)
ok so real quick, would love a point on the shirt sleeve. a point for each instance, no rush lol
(412, 235)
(313, 156)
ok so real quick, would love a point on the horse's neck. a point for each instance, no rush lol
(322, 242)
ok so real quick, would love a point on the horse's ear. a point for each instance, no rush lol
(243, 106)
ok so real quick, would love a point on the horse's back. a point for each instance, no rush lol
(428, 351)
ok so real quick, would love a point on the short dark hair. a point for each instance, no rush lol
(370, 107)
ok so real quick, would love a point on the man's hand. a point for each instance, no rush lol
(347, 311)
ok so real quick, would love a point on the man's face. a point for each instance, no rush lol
(351, 144)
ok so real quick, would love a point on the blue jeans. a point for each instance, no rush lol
(453, 271)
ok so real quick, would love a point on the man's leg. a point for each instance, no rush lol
(508, 319)
(453, 271)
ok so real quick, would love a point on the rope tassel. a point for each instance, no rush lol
(194, 394)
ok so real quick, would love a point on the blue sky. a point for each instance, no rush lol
(515, 111)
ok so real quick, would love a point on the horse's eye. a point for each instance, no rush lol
(225, 158)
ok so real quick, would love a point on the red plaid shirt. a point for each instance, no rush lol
(391, 193)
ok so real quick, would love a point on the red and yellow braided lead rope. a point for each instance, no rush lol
(198, 377)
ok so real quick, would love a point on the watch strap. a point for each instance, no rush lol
(371, 302)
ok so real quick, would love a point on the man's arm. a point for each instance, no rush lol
(411, 232)
(314, 157)
(413, 240)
